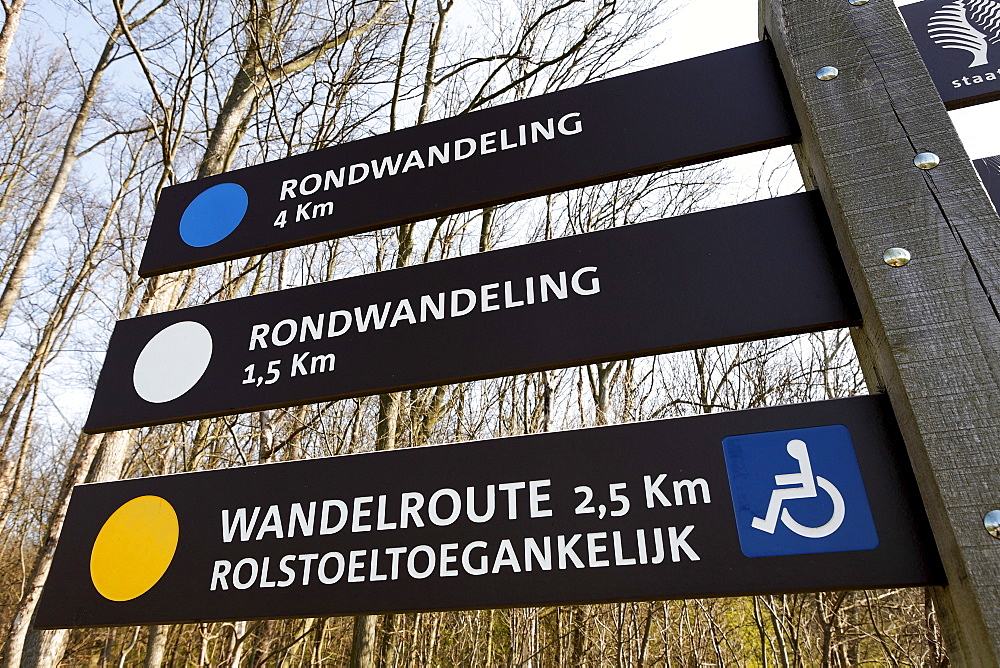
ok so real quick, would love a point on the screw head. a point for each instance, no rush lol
(926, 161)
(896, 257)
(991, 522)
(827, 73)
(858, 3)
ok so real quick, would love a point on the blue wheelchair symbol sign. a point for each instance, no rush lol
(798, 491)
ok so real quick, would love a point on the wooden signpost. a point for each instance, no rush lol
(930, 336)
(795, 498)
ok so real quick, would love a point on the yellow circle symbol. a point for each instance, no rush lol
(134, 548)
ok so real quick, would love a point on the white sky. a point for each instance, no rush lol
(697, 30)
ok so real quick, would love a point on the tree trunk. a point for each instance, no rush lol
(20, 628)
(156, 646)
(11, 20)
(364, 646)
(12, 290)
(236, 644)
(389, 650)
(45, 648)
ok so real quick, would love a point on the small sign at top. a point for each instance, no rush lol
(959, 41)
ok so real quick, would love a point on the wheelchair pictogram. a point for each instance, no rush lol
(801, 485)
(798, 491)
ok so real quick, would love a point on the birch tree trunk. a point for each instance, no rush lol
(15, 282)
(24, 617)
(156, 646)
(364, 645)
(11, 20)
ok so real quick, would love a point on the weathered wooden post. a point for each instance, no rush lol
(931, 333)
(763, 269)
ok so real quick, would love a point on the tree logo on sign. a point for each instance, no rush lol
(969, 25)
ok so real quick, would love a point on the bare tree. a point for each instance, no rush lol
(269, 28)
(29, 246)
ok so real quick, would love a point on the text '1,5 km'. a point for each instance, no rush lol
(602, 295)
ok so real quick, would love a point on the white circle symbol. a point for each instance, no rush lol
(172, 362)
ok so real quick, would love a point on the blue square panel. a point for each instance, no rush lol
(798, 491)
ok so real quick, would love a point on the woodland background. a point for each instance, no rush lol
(102, 104)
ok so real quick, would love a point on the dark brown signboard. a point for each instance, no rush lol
(710, 107)
(989, 172)
(960, 44)
(687, 507)
(751, 271)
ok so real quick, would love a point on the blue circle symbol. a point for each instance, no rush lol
(213, 215)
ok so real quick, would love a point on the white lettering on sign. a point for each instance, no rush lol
(596, 549)
(417, 514)
(486, 143)
(411, 311)
(441, 508)
(975, 79)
